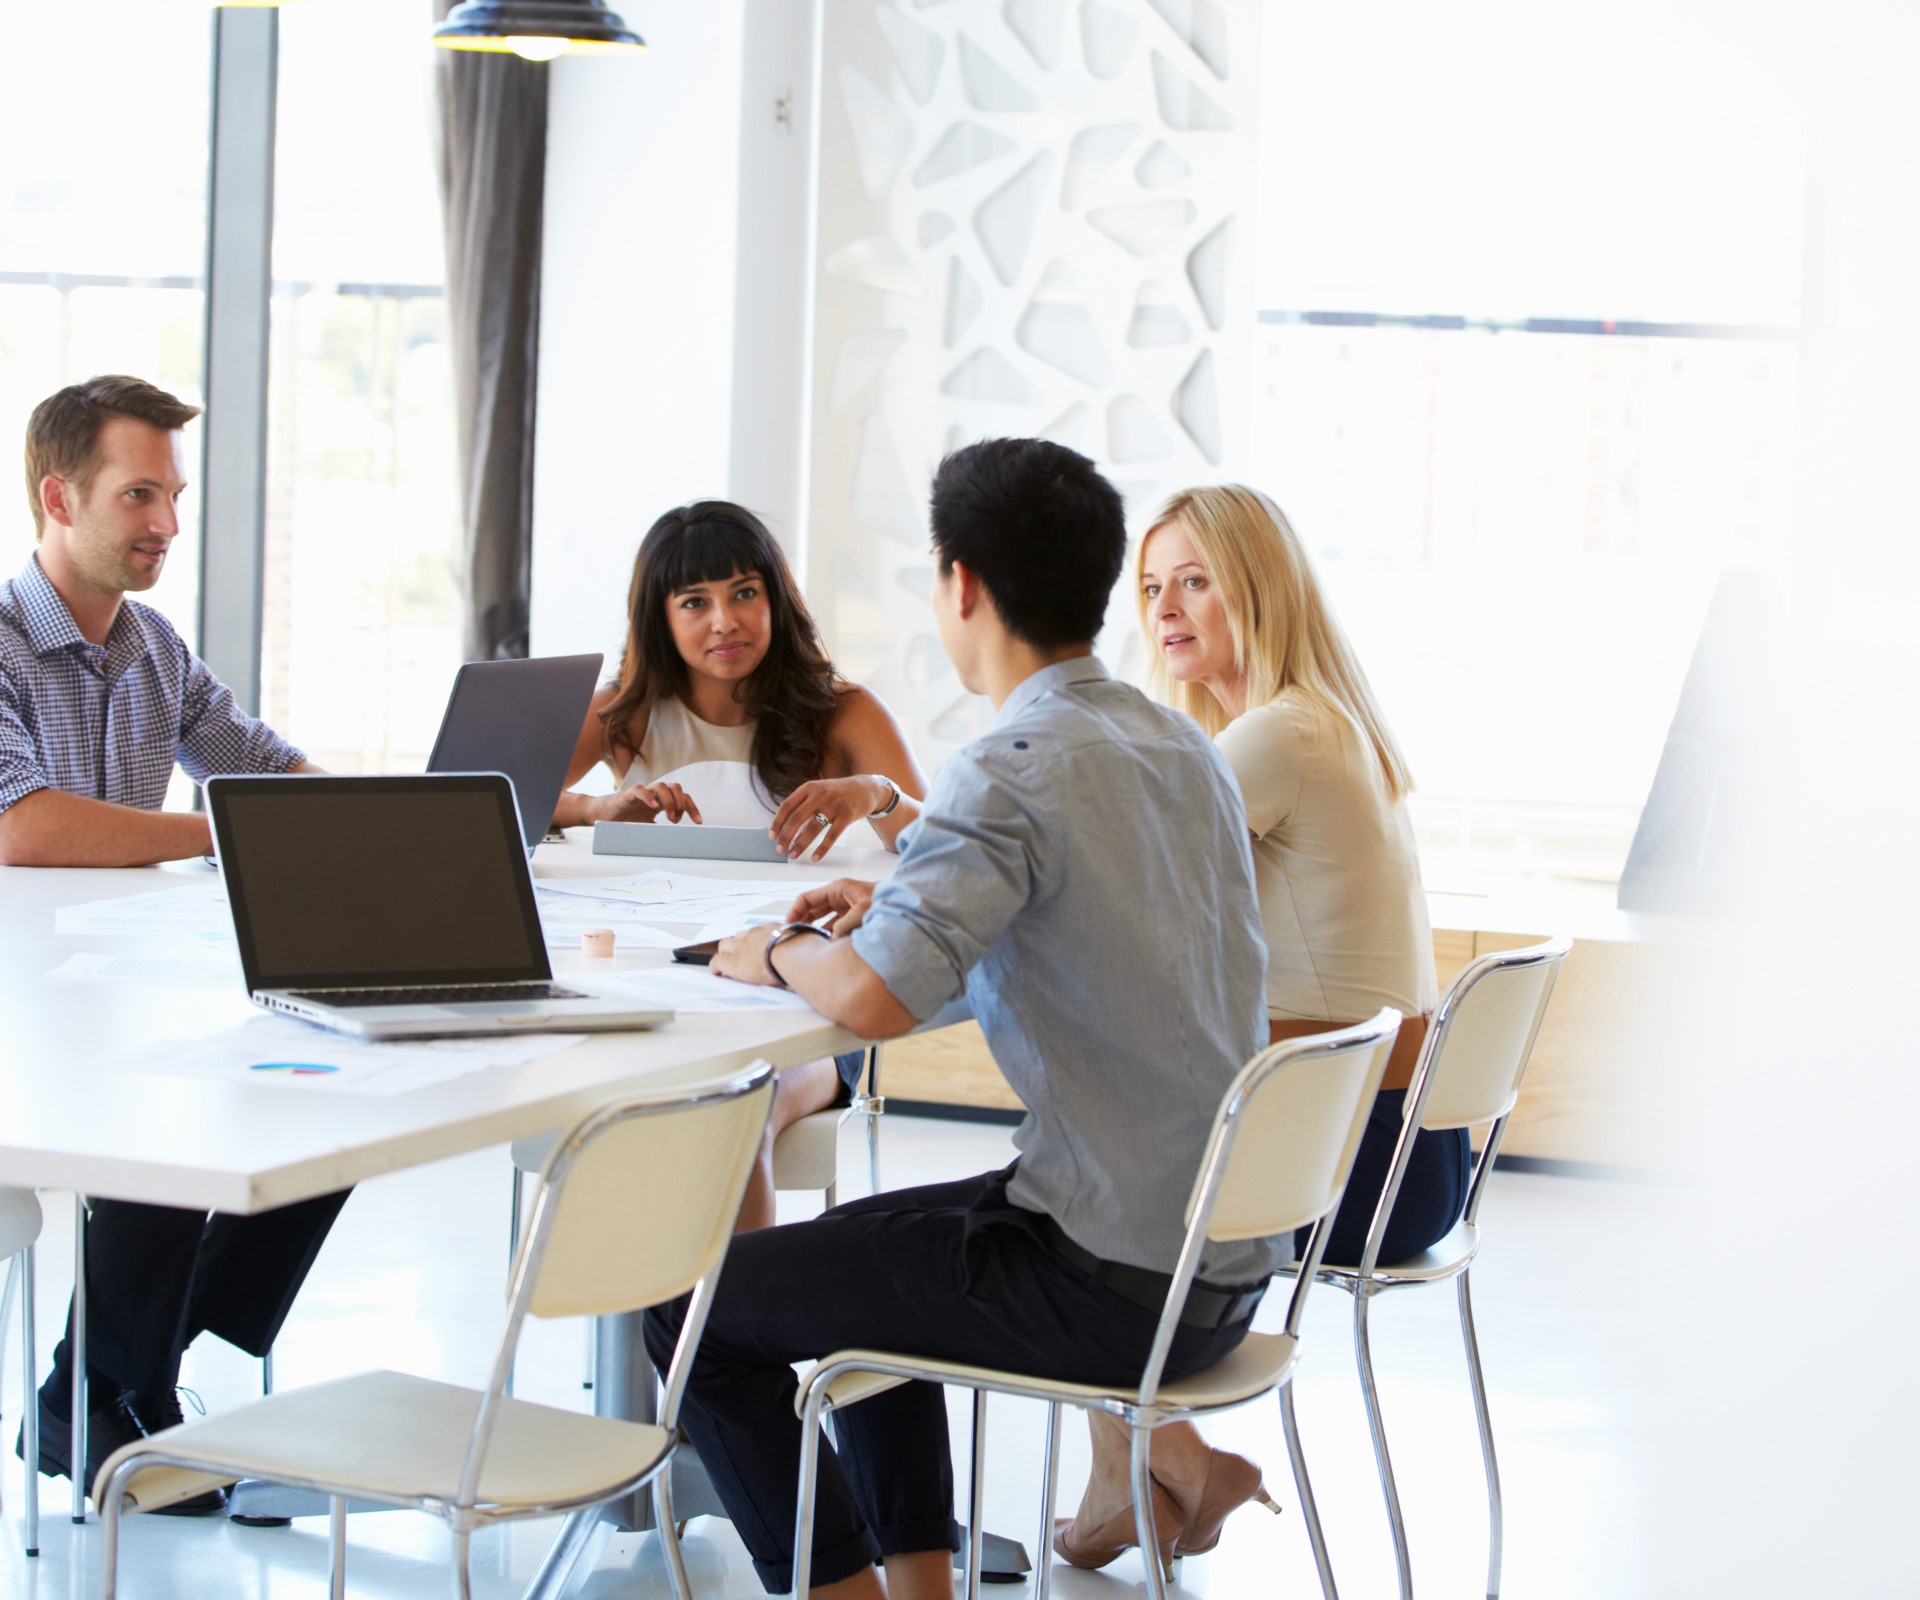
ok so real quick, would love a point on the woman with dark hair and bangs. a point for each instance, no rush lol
(727, 710)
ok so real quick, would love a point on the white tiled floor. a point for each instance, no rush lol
(411, 1277)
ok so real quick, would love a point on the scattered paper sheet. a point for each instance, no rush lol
(284, 1052)
(679, 898)
(693, 989)
(193, 970)
(200, 909)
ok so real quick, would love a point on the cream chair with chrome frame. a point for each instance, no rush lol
(474, 1457)
(806, 1157)
(19, 1227)
(1469, 1072)
(1282, 1145)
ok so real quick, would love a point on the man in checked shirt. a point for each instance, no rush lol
(99, 698)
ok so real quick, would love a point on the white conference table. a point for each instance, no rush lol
(71, 1119)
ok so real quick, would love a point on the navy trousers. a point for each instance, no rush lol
(1432, 1196)
(952, 1271)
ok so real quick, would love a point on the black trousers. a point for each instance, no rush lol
(1433, 1195)
(158, 1276)
(951, 1271)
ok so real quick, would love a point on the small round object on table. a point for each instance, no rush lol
(597, 942)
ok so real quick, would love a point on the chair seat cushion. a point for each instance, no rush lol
(1447, 1258)
(1258, 1363)
(388, 1436)
(807, 1153)
(19, 1221)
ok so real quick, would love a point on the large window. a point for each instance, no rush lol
(1524, 378)
(103, 178)
(363, 621)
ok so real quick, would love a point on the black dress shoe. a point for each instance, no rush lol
(109, 1426)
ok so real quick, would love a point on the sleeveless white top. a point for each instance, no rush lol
(1334, 865)
(713, 764)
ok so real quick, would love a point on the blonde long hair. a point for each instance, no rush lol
(1284, 633)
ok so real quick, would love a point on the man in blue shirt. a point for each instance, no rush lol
(1082, 876)
(99, 697)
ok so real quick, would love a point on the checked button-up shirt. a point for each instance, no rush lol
(108, 722)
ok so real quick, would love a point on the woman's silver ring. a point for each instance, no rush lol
(823, 819)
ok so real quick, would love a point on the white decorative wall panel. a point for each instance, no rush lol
(1030, 223)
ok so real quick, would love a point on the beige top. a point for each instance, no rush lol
(1334, 864)
(713, 764)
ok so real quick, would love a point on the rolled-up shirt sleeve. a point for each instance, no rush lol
(21, 773)
(217, 737)
(965, 873)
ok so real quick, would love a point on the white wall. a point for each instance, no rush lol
(1033, 218)
(641, 301)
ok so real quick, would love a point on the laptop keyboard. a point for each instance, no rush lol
(458, 994)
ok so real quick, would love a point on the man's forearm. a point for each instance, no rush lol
(51, 828)
(832, 978)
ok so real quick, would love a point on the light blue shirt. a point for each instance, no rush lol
(1083, 875)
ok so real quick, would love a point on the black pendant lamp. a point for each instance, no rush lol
(539, 30)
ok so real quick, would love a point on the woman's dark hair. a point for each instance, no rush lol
(1040, 528)
(791, 695)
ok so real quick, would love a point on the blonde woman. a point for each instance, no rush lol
(1244, 642)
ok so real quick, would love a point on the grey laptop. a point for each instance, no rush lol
(394, 908)
(522, 718)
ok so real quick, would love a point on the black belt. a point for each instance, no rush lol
(1205, 1307)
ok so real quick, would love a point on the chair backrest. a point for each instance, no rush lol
(635, 1206)
(1471, 1064)
(19, 1221)
(1278, 1157)
(1288, 1129)
(641, 1198)
(1482, 1035)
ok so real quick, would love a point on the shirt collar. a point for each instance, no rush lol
(1062, 674)
(49, 624)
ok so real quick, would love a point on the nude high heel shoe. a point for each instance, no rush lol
(1231, 1481)
(1118, 1534)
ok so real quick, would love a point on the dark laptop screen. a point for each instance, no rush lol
(353, 881)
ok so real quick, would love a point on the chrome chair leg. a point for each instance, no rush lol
(1495, 1517)
(803, 1508)
(7, 1297)
(78, 1443)
(29, 1403)
(590, 1370)
(336, 1547)
(1049, 1489)
(873, 1119)
(976, 1495)
(462, 1564)
(1376, 1425)
(669, 1531)
(1303, 1486)
(1142, 1478)
(266, 1373)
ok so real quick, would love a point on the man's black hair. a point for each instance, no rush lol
(1039, 526)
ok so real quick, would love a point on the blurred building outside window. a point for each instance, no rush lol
(1524, 379)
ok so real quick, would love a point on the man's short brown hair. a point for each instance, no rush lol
(63, 434)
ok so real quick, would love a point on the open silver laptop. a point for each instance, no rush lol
(394, 908)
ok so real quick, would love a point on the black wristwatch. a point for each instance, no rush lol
(780, 936)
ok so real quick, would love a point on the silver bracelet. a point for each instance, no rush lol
(887, 809)
(780, 936)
